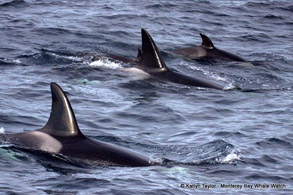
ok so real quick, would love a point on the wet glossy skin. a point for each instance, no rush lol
(152, 63)
(61, 135)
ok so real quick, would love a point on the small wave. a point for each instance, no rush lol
(274, 142)
(52, 31)
(73, 58)
(228, 85)
(160, 5)
(13, 3)
(48, 58)
(219, 152)
(208, 73)
(288, 8)
(63, 55)
(269, 159)
(257, 4)
(270, 5)
(265, 176)
(105, 63)
(4, 61)
(88, 82)
(215, 152)
(272, 17)
(230, 3)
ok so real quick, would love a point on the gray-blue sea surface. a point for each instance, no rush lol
(215, 140)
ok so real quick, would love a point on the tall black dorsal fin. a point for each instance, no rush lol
(62, 120)
(150, 55)
(206, 42)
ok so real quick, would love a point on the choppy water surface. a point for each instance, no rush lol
(212, 137)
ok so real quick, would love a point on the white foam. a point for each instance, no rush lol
(208, 73)
(234, 155)
(86, 81)
(231, 3)
(155, 160)
(230, 86)
(2, 130)
(73, 58)
(17, 61)
(105, 63)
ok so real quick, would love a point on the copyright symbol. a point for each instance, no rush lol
(182, 185)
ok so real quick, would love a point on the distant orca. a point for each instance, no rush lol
(124, 59)
(152, 63)
(206, 49)
(61, 135)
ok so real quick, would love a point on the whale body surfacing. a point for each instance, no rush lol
(206, 49)
(151, 62)
(62, 135)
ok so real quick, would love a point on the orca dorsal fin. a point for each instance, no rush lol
(150, 55)
(62, 121)
(206, 42)
(138, 57)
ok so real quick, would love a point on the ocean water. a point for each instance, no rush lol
(216, 141)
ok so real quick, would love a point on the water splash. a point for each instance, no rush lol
(155, 160)
(72, 58)
(17, 61)
(208, 73)
(105, 63)
(230, 158)
(230, 86)
(88, 82)
(2, 130)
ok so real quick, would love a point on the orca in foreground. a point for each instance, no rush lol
(150, 61)
(61, 135)
(206, 49)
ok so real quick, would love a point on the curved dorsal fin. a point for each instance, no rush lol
(62, 120)
(150, 55)
(206, 42)
(138, 57)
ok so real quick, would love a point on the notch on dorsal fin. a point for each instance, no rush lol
(150, 55)
(62, 120)
(206, 42)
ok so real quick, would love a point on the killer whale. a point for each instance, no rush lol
(206, 49)
(115, 57)
(61, 135)
(125, 59)
(151, 62)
